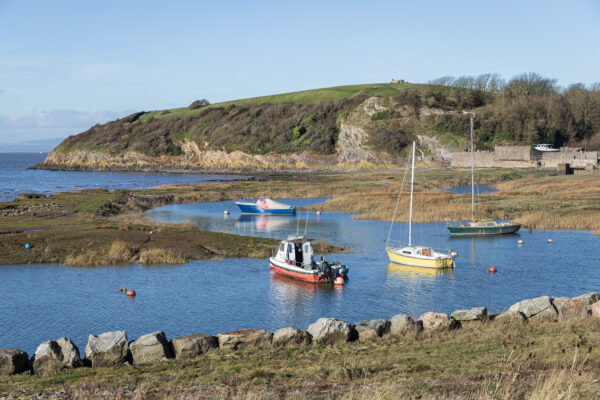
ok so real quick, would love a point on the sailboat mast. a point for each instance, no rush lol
(412, 179)
(472, 175)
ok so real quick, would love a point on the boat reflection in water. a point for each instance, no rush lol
(417, 272)
(262, 223)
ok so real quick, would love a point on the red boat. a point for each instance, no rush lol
(295, 259)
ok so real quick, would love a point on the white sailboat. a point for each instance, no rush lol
(417, 256)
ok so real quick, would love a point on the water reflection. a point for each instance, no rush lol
(409, 272)
(262, 223)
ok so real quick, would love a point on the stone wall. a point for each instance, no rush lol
(577, 159)
(112, 349)
(513, 153)
(482, 159)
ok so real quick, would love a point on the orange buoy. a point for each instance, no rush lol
(338, 281)
(131, 293)
(492, 269)
(318, 212)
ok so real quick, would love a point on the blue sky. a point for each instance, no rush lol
(66, 65)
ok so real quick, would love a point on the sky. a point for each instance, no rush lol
(67, 65)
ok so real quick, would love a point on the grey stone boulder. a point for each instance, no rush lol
(108, 349)
(291, 337)
(588, 298)
(571, 309)
(331, 330)
(434, 321)
(52, 356)
(191, 346)
(244, 337)
(474, 314)
(150, 349)
(368, 330)
(595, 309)
(509, 316)
(13, 361)
(549, 315)
(402, 324)
(531, 307)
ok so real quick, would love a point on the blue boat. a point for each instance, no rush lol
(266, 206)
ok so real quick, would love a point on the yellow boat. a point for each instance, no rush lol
(419, 256)
(416, 256)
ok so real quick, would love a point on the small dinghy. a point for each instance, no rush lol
(267, 206)
(295, 259)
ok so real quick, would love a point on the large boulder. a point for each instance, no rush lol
(508, 316)
(532, 307)
(371, 329)
(150, 349)
(588, 298)
(595, 309)
(434, 321)
(52, 356)
(402, 324)
(13, 361)
(474, 314)
(331, 330)
(291, 337)
(244, 337)
(571, 309)
(191, 346)
(108, 349)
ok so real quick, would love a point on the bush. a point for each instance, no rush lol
(198, 104)
(390, 141)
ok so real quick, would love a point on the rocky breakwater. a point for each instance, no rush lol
(111, 349)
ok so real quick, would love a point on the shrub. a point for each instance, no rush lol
(198, 104)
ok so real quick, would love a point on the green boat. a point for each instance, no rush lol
(484, 228)
(480, 228)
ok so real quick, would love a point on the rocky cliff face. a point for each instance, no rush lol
(352, 149)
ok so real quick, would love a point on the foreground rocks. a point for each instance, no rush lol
(109, 349)
(12, 361)
(191, 346)
(331, 331)
(150, 349)
(291, 337)
(244, 337)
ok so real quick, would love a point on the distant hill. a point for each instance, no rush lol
(31, 146)
(369, 126)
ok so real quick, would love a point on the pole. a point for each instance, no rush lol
(412, 179)
(472, 175)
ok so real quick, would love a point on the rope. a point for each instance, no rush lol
(398, 201)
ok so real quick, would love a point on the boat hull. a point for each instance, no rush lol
(294, 272)
(253, 209)
(466, 230)
(439, 263)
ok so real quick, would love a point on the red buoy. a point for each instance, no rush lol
(338, 281)
(131, 293)
(492, 269)
(318, 212)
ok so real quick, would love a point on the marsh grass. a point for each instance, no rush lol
(160, 257)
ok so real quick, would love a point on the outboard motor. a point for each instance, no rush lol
(327, 271)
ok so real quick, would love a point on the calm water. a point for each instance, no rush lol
(15, 178)
(479, 189)
(50, 301)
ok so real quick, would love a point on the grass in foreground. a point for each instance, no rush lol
(508, 360)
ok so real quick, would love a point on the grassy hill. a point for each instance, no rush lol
(386, 117)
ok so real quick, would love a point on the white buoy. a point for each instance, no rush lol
(549, 240)
(226, 212)
(520, 242)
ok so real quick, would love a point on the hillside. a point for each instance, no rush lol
(365, 126)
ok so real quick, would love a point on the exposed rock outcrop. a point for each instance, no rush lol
(331, 330)
(108, 349)
(368, 330)
(291, 337)
(150, 349)
(402, 324)
(540, 307)
(474, 314)
(191, 346)
(13, 361)
(434, 321)
(244, 337)
(52, 356)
